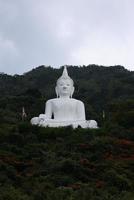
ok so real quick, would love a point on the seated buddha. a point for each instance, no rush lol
(64, 110)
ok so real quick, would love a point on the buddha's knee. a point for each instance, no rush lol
(35, 121)
(92, 124)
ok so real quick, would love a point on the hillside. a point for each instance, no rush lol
(97, 86)
(39, 163)
(62, 163)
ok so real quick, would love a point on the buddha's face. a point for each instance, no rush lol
(64, 87)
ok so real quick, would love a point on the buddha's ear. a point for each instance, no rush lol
(72, 92)
(56, 90)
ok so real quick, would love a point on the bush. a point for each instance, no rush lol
(11, 193)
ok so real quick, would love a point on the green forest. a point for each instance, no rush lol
(38, 163)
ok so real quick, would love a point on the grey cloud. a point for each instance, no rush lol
(62, 32)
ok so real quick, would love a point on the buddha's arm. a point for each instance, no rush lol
(48, 109)
(81, 111)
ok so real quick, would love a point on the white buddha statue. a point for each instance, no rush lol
(64, 110)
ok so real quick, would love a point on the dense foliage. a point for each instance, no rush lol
(100, 88)
(61, 163)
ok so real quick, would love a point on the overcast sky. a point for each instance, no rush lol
(59, 32)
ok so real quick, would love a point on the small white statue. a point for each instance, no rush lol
(64, 110)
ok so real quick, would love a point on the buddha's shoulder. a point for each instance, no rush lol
(51, 100)
(77, 101)
(69, 100)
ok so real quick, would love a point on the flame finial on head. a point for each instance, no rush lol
(65, 75)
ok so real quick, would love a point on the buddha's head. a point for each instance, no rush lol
(64, 86)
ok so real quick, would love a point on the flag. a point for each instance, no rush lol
(24, 115)
(103, 114)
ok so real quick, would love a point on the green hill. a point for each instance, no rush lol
(100, 88)
(61, 163)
